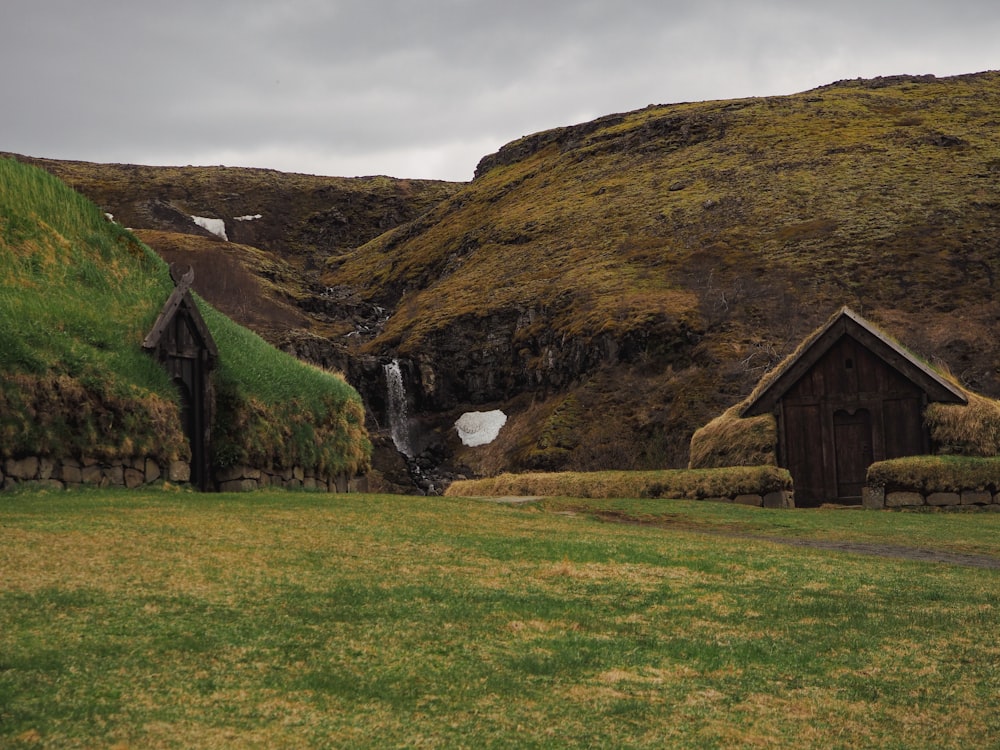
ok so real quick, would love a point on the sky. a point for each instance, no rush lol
(426, 88)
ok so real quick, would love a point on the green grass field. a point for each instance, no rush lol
(168, 619)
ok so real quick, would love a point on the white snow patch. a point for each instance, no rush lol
(248, 217)
(480, 427)
(215, 226)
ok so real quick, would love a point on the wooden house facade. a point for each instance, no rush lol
(182, 343)
(849, 397)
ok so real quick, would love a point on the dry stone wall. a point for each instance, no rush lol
(248, 479)
(131, 473)
(878, 497)
(66, 473)
(780, 499)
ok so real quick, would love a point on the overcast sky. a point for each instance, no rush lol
(425, 88)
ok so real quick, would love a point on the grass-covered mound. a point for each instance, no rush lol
(694, 484)
(77, 295)
(929, 474)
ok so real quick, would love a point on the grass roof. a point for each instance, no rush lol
(77, 295)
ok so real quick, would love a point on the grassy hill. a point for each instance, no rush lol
(651, 266)
(77, 295)
(612, 285)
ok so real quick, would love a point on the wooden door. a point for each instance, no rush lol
(852, 434)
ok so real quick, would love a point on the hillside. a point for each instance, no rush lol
(612, 285)
(78, 294)
(278, 229)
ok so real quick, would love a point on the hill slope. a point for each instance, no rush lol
(615, 284)
(77, 296)
(612, 285)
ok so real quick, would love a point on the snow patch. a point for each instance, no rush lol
(480, 427)
(248, 217)
(215, 226)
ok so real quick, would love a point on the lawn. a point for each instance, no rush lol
(168, 619)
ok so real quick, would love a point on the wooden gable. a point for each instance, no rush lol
(850, 324)
(179, 328)
(849, 397)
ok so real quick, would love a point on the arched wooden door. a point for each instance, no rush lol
(852, 434)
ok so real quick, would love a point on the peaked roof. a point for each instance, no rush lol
(848, 323)
(180, 297)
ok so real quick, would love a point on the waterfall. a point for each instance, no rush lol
(399, 426)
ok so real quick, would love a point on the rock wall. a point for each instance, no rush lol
(248, 479)
(878, 497)
(131, 473)
(66, 473)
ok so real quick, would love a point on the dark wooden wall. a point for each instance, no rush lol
(849, 409)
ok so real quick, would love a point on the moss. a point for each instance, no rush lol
(967, 430)
(731, 440)
(680, 483)
(936, 474)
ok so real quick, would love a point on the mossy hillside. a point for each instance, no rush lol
(715, 234)
(857, 190)
(78, 295)
(301, 217)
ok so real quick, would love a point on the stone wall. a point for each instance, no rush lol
(58, 474)
(40, 471)
(878, 497)
(781, 499)
(248, 479)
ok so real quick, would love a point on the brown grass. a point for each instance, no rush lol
(678, 483)
(732, 440)
(966, 430)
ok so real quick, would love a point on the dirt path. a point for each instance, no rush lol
(887, 550)
(918, 554)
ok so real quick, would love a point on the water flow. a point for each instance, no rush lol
(396, 403)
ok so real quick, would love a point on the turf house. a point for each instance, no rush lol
(182, 343)
(847, 397)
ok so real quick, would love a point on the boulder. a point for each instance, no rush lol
(944, 498)
(133, 478)
(23, 468)
(903, 499)
(179, 471)
(976, 498)
(70, 472)
(115, 474)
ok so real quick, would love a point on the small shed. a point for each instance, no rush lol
(182, 343)
(848, 397)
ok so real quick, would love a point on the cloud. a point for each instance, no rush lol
(372, 86)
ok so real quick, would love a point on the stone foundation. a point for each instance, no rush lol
(67, 473)
(877, 497)
(782, 499)
(248, 479)
(131, 473)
